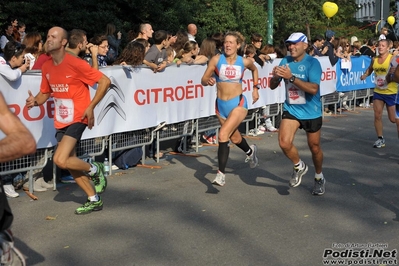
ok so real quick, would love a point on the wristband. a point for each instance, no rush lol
(35, 103)
(257, 86)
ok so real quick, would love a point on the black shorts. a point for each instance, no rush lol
(309, 125)
(74, 130)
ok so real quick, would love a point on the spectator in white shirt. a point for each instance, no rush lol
(12, 65)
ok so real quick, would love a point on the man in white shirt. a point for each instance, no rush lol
(192, 31)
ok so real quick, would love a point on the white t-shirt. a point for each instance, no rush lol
(7, 72)
(3, 41)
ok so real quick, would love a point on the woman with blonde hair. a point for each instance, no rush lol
(226, 71)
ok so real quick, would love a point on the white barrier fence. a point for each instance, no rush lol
(140, 99)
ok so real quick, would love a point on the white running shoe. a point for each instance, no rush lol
(255, 132)
(220, 179)
(10, 191)
(262, 128)
(272, 129)
(252, 159)
(40, 181)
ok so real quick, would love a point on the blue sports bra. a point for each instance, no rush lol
(229, 73)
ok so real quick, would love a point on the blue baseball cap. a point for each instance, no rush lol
(329, 34)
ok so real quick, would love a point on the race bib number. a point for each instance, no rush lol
(381, 82)
(295, 95)
(230, 72)
(64, 110)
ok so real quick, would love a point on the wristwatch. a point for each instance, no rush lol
(292, 79)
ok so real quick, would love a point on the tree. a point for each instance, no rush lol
(246, 16)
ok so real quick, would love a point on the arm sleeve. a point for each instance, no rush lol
(112, 41)
(258, 60)
(86, 73)
(9, 73)
(330, 53)
(44, 85)
(3, 42)
(150, 56)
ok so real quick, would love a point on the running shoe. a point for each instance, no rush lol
(262, 128)
(90, 206)
(255, 132)
(214, 140)
(319, 187)
(380, 143)
(99, 179)
(297, 174)
(220, 179)
(10, 191)
(68, 180)
(209, 140)
(272, 129)
(252, 159)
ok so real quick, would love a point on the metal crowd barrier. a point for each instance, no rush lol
(27, 164)
(332, 98)
(175, 131)
(274, 110)
(361, 95)
(89, 148)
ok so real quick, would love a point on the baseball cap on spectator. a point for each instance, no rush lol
(329, 34)
(297, 37)
(353, 39)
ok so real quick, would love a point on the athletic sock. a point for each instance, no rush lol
(94, 198)
(93, 170)
(300, 165)
(243, 145)
(319, 176)
(223, 155)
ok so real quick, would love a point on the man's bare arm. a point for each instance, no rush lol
(103, 85)
(18, 141)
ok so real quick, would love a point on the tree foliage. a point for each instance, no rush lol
(246, 16)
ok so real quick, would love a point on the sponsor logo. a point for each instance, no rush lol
(114, 93)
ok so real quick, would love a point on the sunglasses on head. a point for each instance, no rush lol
(18, 48)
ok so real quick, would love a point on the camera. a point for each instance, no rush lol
(29, 57)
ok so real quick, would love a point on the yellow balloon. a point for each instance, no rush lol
(330, 9)
(391, 20)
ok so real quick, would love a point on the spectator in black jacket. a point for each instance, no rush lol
(368, 49)
(330, 35)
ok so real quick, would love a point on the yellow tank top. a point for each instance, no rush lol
(380, 71)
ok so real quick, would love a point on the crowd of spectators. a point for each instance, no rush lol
(22, 50)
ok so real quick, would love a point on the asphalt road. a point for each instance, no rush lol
(175, 216)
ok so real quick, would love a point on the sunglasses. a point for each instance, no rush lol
(18, 47)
